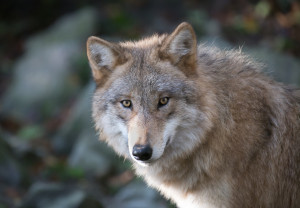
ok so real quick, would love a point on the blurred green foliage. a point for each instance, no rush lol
(61, 171)
(262, 9)
(31, 132)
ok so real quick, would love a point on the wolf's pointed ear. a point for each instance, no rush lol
(181, 45)
(103, 57)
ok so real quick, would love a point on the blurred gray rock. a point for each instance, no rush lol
(40, 80)
(90, 155)
(137, 195)
(9, 168)
(217, 41)
(78, 121)
(43, 76)
(53, 195)
(78, 137)
(282, 67)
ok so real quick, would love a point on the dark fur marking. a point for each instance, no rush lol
(122, 118)
(171, 114)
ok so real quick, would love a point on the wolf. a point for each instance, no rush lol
(204, 126)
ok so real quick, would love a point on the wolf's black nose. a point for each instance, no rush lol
(142, 152)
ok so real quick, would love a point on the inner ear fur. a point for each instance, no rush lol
(180, 47)
(103, 57)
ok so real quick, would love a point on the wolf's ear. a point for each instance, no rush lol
(103, 56)
(181, 45)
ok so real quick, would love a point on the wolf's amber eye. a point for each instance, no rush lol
(163, 101)
(126, 103)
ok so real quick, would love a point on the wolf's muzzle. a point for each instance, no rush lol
(142, 152)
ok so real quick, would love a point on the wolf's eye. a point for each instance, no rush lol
(126, 103)
(163, 101)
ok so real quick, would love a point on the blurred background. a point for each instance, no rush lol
(49, 153)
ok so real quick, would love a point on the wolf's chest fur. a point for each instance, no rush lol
(203, 126)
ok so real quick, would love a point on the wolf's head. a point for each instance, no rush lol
(147, 104)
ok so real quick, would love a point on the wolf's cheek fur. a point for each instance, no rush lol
(170, 130)
(114, 131)
(185, 131)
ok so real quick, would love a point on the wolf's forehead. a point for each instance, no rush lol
(148, 79)
(144, 76)
(146, 82)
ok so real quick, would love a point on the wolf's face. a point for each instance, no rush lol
(145, 101)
